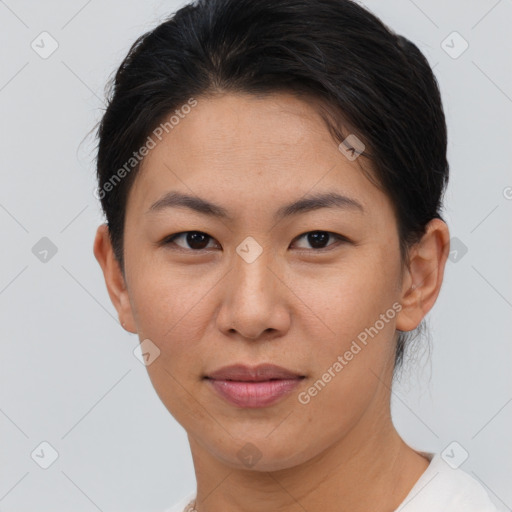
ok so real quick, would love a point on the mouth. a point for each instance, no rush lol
(253, 387)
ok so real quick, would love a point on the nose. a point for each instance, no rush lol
(254, 301)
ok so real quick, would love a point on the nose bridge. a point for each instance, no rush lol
(250, 302)
(251, 268)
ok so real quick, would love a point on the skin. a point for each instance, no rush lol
(296, 306)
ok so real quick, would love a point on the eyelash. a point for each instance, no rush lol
(169, 240)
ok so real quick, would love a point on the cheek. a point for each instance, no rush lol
(351, 296)
(357, 305)
(356, 351)
(170, 307)
(172, 311)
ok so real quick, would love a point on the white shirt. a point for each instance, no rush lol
(439, 489)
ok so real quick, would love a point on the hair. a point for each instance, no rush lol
(363, 78)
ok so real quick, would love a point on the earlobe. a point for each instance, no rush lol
(424, 276)
(114, 279)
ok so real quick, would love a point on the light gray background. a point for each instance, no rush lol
(68, 373)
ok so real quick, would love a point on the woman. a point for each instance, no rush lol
(272, 174)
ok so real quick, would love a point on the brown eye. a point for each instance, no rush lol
(193, 240)
(319, 239)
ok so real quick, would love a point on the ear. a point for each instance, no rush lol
(114, 278)
(424, 276)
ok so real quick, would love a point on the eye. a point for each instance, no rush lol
(318, 239)
(195, 240)
(198, 241)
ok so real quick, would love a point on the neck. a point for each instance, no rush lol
(370, 468)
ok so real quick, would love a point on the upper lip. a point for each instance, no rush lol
(262, 372)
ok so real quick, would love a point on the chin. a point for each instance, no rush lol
(261, 454)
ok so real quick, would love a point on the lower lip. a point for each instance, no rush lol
(254, 394)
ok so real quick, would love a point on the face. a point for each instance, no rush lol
(314, 289)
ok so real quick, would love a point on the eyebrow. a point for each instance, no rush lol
(301, 206)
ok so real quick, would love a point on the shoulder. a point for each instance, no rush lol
(180, 506)
(443, 488)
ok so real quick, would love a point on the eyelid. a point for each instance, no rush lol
(337, 236)
(169, 240)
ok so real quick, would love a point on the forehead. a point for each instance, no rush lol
(255, 130)
(248, 149)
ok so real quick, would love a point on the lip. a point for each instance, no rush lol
(253, 387)
(262, 372)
